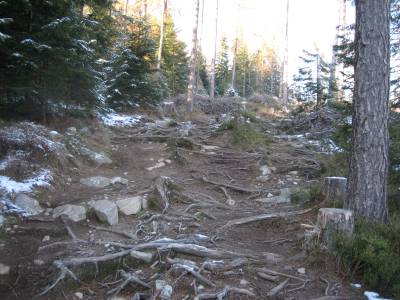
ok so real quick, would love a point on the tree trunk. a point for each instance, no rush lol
(212, 87)
(367, 186)
(126, 7)
(162, 25)
(199, 47)
(285, 64)
(318, 80)
(192, 63)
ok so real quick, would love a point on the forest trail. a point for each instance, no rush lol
(209, 182)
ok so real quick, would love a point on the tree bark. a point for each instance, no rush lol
(162, 25)
(192, 63)
(285, 64)
(212, 87)
(367, 186)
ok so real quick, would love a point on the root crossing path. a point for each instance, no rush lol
(218, 222)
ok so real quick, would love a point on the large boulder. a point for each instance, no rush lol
(106, 211)
(334, 221)
(131, 205)
(28, 204)
(74, 213)
(334, 190)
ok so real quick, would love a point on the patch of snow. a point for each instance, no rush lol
(56, 23)
(17, 55)
(356, 285)
(4, 37)
(6, 20)
(43, 178)
(373, 296)
(117, 120)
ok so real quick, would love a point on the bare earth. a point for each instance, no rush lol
(202, 178)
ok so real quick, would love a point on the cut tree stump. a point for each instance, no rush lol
(333, 221)
(334, 190)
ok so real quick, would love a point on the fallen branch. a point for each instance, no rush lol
(222, 294)
(275, 273)
(121, 233)
(276, 290)
(247, 220)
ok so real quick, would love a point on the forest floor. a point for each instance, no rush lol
(211, 181)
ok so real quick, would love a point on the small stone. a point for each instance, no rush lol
(301, 271)
(201, 287)
(78, 295)
(230, 202)
(270, 195)
(46, 238)
(265, 170)
(160, 284)
(71, 131)
(166, 292)
(4, 269)
(294, 173)
(38, 262)
(244, 282)
(119, 180)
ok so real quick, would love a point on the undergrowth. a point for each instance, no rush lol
(245, 134)
(374, 255)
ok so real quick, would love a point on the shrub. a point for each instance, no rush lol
(374, 254)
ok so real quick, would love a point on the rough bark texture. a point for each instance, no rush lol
(334, 190)
(367, 186)
(192, 63)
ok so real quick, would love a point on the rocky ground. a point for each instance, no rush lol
(174, 210)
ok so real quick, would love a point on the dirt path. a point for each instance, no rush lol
(213, 182)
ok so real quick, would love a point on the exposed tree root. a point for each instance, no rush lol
(231, 186)
(247, 220)
(129, 278)
(224, 293)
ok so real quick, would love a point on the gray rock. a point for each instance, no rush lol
(284, 197)
(97, 158)
(166, 292)
(131, 205)
(4, 269)
(74, 213)
(119, 180)
(106, 211)
(96, 181)
(71, 131)
(29, 204)
(265, 170)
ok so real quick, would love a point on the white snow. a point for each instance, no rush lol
(4, 36)
(355, 285)
(117, 120)
(56, 22)
(43, 178)
(373, 296)
(6, 20)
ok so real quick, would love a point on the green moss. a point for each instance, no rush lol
(300, 196)
(374, 254)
